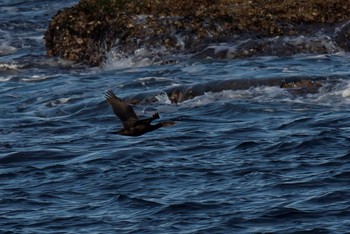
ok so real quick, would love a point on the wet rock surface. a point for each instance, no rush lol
(294, 85)
(89, 30)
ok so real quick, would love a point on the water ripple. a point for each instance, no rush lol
(261, 160)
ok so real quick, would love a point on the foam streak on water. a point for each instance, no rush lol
(260, 160)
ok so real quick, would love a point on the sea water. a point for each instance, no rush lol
(260, 160)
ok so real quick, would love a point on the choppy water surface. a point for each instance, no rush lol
(252, 161)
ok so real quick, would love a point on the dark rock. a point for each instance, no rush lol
(294, 85)
(89, 30)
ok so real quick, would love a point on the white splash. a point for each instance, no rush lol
(35, 78)
(9, 66)
(4, 79)
(141, 57)
(56, 102)
(163, 98)
(334, 96)
(6, 49)
(346, 92)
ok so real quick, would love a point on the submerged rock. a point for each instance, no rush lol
(89, 30)
(177, 94)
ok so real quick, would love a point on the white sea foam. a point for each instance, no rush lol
(35, 78)
(118, 61)
(139, 58)
(163, 98)
(345, 93)
(321, 43)
(38, 39)
(334, 96)
(194, 68)
(9, 66)
(5, 78)
(314, 43)
(58, 101)
(7, 49)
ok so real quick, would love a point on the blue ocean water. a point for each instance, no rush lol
(260, 160)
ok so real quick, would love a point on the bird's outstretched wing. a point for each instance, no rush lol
(125, 112)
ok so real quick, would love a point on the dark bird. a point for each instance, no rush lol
(133, 126)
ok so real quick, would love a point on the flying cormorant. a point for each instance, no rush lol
(133, 126)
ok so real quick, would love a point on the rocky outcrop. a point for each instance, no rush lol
(89, 30)
(294, 85)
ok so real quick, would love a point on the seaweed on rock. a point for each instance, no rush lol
(87, 31)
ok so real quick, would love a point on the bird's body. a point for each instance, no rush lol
(132, 125)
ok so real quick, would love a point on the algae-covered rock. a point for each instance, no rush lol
(88, 30)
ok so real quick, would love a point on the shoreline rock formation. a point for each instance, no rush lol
(89, 30)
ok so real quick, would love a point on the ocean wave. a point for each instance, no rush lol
(137, 202)
(33, 156)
